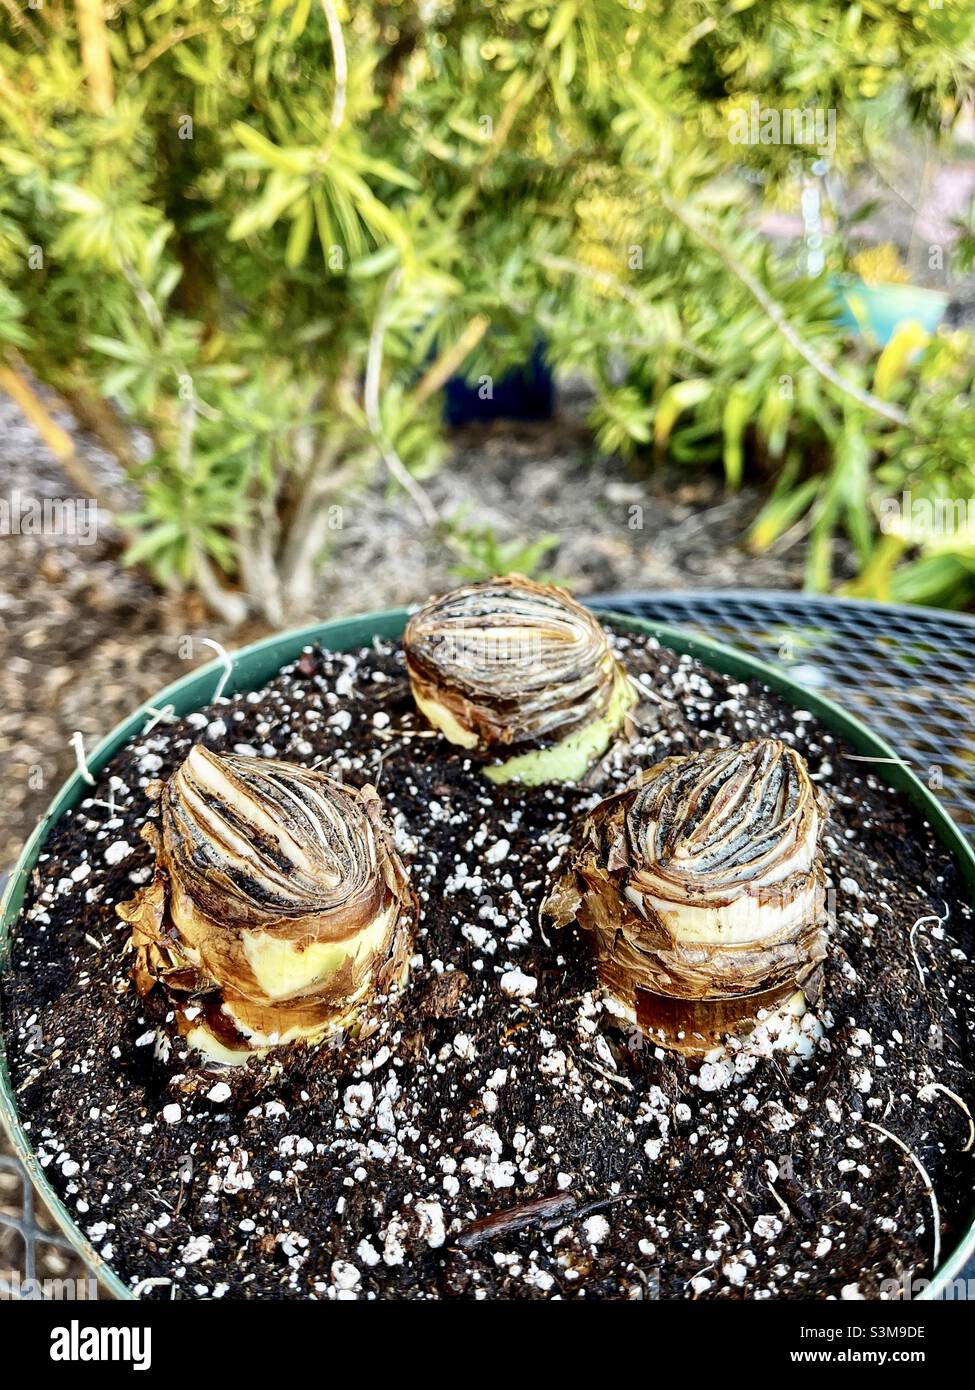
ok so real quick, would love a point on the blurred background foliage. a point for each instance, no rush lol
(266, 233)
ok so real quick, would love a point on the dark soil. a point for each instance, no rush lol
(502, 1089)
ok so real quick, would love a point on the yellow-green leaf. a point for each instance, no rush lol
(289, 160)
(737, 411)
(300, 235)
(908, 338)
(677, 398)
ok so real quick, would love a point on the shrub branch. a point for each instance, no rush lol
(776, 315)
(341, 62)
(374, 366)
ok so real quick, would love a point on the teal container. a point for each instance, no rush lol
(877, 311)
(255, 665)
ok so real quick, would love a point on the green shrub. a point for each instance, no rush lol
(266, 233)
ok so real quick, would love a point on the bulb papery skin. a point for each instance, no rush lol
(519, 672)
(279, 911)
(701, 886)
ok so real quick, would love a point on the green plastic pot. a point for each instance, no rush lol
(255, 665)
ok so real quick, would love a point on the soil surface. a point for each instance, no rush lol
(502, 1137)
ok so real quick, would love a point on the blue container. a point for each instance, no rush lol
(523, 393)
(877, 311)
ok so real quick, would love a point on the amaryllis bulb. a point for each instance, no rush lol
(520, 672)
(279, 910)
(702, 888)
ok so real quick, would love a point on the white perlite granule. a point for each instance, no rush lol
(518, 985)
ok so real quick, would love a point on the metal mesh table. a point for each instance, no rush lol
(32, 1238)
(908, 673)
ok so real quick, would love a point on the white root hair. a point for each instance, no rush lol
(77, 741)
(228, 665)
(928, 1093)
(921, 922)
(166, 715)
(929, 1186)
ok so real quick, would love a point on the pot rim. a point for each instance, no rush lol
(254, 665)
